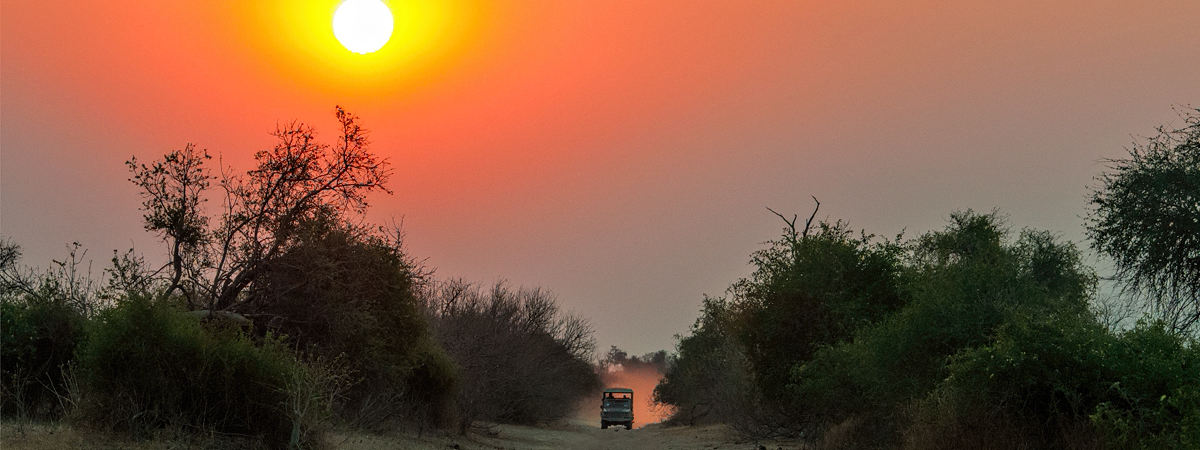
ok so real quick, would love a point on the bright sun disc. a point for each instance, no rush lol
(362, 26)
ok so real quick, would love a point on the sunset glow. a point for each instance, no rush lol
(305, 43)
(363, 26)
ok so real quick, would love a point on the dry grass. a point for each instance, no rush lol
(22, 435)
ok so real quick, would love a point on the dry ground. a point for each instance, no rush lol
(575, 434)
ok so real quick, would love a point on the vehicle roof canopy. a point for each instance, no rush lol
(618, 390)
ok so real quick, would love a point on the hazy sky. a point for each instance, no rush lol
(619, 153)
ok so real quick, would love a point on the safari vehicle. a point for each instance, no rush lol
(616, 408)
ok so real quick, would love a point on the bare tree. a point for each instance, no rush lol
(521, 360)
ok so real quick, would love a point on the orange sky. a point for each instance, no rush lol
(620, 153)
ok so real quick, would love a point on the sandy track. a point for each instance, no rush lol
(572, 435)
(577, 434)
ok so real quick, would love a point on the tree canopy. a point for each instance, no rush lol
(1146, 216)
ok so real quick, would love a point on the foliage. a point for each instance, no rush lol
(43, 319)
(961, 338)
(1154, 399)
(37, 343)
(521, 359)
(1146, 216)
(708, 377)
(344, 292)
(284, 255)
(810, 291)
(965, 284)
(1064, 381)
(148, 365)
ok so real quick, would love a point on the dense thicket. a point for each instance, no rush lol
(807, 292)
(521, 359)
(149, 365)
(284, 257)
(350, 294)
(961, 338)
(810, 289)
(965, 284)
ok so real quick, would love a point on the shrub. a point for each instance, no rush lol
(347, 293)
(43, 319)
(1153, 400)
(807, 292)
(1035, 384)
(38, 338)
(146, 365)
(521, 360)
(708, 378)
(1067, 382)
(966, 285)
(993, 346)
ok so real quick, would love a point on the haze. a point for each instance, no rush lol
(620, 153)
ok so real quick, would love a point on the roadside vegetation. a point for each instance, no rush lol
(974, 336)
(278, 316)
(281, 314)
(522, 360)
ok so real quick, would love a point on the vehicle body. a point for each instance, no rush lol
(616, 408)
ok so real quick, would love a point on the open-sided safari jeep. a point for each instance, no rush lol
(616, 408)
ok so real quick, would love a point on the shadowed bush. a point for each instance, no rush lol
(348, 294)
(810, 289)
(43, 320)
(147, 365)
(1153, 399)
(708, 378)
(989, 343)
(37, 343)
(521, 360)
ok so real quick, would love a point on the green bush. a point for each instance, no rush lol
(1153, 399)
(147, 365)
(1040, 377)
(966, 284)
(807, 292)
(1052, 376)
(990, 344)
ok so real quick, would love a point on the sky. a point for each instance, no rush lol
(620, 153)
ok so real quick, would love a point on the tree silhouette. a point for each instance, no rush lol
(296, 180)
(1146, 217)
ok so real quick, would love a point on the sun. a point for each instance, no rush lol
(363, 26)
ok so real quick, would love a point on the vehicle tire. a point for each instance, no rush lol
(603, 425)
(629, 425)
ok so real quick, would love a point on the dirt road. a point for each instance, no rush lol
(573, 435)
(576, 434)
